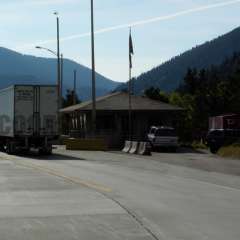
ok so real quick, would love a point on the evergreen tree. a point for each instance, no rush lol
(69, 99)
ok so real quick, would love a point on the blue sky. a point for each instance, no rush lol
(25, 23)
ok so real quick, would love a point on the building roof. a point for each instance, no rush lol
(119, 101)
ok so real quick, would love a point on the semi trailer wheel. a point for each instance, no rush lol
(46, 151)
(11, 148)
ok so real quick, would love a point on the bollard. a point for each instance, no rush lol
(134, 148)
(127, 146)
(144, 149)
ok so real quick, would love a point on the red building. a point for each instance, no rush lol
(229, 121)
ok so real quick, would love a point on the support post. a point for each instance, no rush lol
(61, 84)
(75, 88)
(93, 72)
(58, 77)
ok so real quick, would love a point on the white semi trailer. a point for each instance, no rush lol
(28, 118)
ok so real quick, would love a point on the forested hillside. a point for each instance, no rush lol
(204, 93)
(169, 75)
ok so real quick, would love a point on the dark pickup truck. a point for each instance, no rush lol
(223, 130)
(217, 138)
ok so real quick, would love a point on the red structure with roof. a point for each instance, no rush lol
(229, 121)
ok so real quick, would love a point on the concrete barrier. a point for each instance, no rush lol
(85, 144)
(144, 149)
(127, 146)
(134, 148)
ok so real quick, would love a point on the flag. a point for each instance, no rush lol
(131, 52)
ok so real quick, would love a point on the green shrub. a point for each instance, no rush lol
(231, 151)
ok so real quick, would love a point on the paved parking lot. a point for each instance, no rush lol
(110, 195)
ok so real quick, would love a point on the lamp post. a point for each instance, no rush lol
(93, 72)
(59, 81)
(60, 86)
(47, 49)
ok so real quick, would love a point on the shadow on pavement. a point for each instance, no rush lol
(181, 150)
(53, 157)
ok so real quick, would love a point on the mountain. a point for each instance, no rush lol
(170, 74)
(16, 68)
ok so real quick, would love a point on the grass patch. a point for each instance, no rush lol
(231, 151)
(194, 145)
(199, 145)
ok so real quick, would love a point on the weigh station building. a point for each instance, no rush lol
(112, 118)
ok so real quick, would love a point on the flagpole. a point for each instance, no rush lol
(129, 88)
(130, 104)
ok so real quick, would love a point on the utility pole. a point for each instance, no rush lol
(58, 73)
(75, 88)
(58, 60)
(61, 84)
(93, 72)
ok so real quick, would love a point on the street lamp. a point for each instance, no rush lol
(93, 72)
(59, 81)
(47, 49)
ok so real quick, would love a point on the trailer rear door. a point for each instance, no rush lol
(24, 108)
(48, 110)
(36, 110)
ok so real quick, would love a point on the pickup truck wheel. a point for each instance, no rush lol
(173, 149)
(152, 146)
(214, 149)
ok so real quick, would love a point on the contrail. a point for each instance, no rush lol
(137, 23)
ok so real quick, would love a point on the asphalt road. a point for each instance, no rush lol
(108, 196)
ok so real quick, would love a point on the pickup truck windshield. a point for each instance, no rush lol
(166, 132)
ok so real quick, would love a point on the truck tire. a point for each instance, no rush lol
(214, 149)
(10, 148)
(2, 148)
(46, 151)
